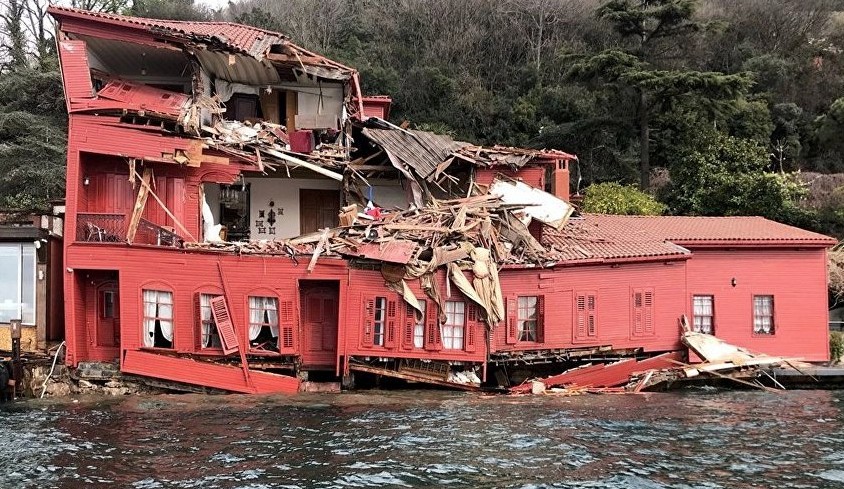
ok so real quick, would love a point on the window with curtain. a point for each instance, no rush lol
(452, 336)
(379, 325)
(419, 325)
(704, 314)
(158, 318)
(527, 319)
(763, 314)
(209, 336)
(263, 323)
(17, 282)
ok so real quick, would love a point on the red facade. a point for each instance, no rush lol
(154, 304)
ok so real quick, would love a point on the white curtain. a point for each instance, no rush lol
(256, 316)
(150, 303)
(207, 319)
(271, 305)
(703, 311)
(165, 314)
(158, 306)
(419, 327)
(763, 312)
(262, 310)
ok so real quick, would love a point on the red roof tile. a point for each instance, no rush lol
(581, 242)
(239, 37)
(693, 230)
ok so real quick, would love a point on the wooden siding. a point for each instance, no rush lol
(796, 279)
(206, 374)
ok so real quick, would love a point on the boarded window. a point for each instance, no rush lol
(643, 312)
(763, 314)
(703, 311)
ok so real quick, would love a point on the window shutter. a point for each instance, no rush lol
(197, 313)
(648, 317)
(638, 313)
(580, 316)
(470, 327)
(287, 327)
(540, 319)
(591, 313)
(368, 319)
(512, 321)
(224, 324)
(390, 333)
(433, 339)
(408, 326)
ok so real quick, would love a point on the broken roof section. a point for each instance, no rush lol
(232, 52)
(429, 154)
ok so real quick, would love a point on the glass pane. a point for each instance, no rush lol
(28, 284)
(9, 287)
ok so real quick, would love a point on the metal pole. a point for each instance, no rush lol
(17, 368)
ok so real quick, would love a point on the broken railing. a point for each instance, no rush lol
(153, 234)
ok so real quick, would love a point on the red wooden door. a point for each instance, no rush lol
(108, 314)
(319, 306)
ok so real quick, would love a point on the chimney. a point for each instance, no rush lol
(560, 179)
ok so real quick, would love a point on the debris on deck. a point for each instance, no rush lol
(721, 361)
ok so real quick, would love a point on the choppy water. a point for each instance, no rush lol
(693, 439)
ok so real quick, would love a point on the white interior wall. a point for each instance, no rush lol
(284, 193)
(387, 193)
(212, 196)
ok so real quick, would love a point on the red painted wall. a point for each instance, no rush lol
(796, 279)
(613, 288)
(185, 275)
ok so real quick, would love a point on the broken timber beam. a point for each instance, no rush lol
(140, 202)
(177, 222)
(303, 163)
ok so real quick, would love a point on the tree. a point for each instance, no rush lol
(633, 74)
(614, 198)
(726, 176)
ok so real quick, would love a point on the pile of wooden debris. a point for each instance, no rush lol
(719, 361)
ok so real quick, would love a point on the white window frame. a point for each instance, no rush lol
(454, 329)
(698, 326)
(18, 312)
(419, 326)
(759, 328)
(528, 318)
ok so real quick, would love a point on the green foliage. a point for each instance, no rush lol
(727, 175)
(613, 198)
(170, 9)
(836, 346)
(33, 134)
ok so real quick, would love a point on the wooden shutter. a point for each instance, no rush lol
(287, 327)
(585, 315)
(224, 324)
(390, 329)
(433, 339)
(540, 319)
(368, 319)
(648, 316)
(512, 333)
(470, 326)
(638, 313)
(408, 326)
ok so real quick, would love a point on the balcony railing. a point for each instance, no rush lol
(153, 234)
(111, 228)
(100, 228)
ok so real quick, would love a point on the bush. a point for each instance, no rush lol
(836, 346)
(614, 198)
